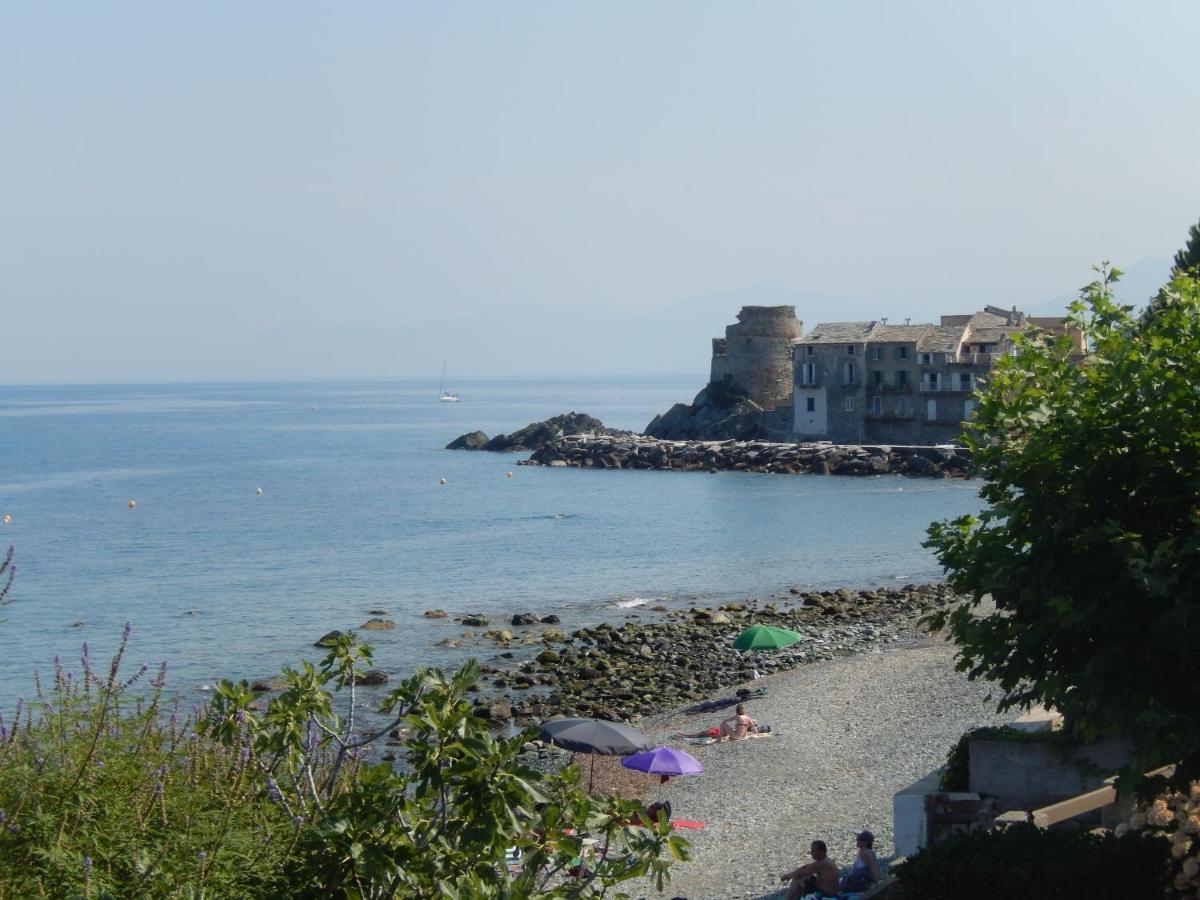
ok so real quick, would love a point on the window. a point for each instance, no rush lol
(926, 359)
(877, 354)
(849, 349)
(877, 405)
(848, 374)
(902, 406)
(901, 378)
(877, 377)
(809, 350)
(968, 408)
(931, 409)
(808, 373)
(902, 353)
(810, 404)
(929, 381)
(849, 404)
(964, 381)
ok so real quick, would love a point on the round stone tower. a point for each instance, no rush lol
(755, 356)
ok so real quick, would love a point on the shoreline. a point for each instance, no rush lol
(643, 668)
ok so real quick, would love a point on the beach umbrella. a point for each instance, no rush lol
(664, 761)
(766, 637)
(595, 736)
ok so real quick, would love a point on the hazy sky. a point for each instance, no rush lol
(280, 190)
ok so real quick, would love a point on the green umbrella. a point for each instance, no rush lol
(765, 637)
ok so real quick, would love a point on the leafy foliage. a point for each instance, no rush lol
(101, 794)
(1025, 861)
(1090, 546)
(106, 794)
(1187, 260)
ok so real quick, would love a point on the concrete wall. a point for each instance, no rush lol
(756, 354)
(1031, 775)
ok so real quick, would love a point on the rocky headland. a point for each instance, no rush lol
(716, 414)
(537, 434)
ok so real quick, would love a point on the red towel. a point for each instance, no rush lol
(684, 823)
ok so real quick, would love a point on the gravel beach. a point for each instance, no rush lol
(848, 733)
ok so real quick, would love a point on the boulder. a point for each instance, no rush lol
(474, 621)
(328, 639)
(434, 614)
(472, 440)
(550, 620)
(524, 619)
(377, 625)
(371, 677)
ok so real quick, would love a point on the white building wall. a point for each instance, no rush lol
(810, 423)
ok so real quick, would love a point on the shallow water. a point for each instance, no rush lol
(222, 581)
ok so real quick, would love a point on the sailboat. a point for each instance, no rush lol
(443, 395)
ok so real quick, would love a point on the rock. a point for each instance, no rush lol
(434, 614)
(474, 621)
(547, 657)
(371, 677)
(449, 642)
(720, 619)
(550, 620)
(274, 683)
(500, 709)
(377, 612)
(328, 639)
(524, 619)
(377, 625)
(472, 440)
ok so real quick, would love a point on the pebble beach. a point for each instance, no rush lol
(847, 734)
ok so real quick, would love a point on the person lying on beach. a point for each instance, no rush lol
(819, 877)
(735, 727)
(865, 871)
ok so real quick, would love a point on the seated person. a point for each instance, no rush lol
(735, 727)
(819, 877)
(865, 871)
(650, 816)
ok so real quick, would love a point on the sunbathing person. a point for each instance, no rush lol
(865, 871)
(820, 876)
(735, 727)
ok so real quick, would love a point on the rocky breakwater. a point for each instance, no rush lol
(638, 668)
(717, 413)
(632, 451)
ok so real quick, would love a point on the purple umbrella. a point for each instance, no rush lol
(664, 761)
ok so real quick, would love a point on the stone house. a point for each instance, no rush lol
(875, 383)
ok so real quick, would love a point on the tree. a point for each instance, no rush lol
(439, 826)
(1090, 545)
(1187, 260)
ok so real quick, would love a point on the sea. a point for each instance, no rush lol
(231, 525)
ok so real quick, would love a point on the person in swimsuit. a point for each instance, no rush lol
(820, 875)
(735, 727)
(865, 871)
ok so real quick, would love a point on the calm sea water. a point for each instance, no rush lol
(222, 581)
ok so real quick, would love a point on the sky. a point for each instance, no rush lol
(273, 191)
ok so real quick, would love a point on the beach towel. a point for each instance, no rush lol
(686, 823)
(701, 739)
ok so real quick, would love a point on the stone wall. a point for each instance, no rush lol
(755, 356)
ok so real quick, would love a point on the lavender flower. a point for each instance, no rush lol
(87, 866)
(202, 856)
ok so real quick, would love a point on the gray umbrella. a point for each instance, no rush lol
(595, 736)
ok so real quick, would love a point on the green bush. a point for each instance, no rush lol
(103, 793)
(1025, 861)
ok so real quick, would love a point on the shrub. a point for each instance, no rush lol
(1025, 861)
(1175, 815)
(104, 793)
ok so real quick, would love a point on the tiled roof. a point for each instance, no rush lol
(990, 335)
(898, 333)
(839, 333)
(942, 339)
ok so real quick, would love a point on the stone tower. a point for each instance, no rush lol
(755, 356)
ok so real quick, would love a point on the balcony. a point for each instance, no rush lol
(972, 359)
(948, 387)
(883, 388)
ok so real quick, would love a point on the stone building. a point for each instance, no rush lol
(755, 356)
(874, 383)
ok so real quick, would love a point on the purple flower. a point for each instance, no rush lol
(273, 790)
(87, 865)
(201, 856)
